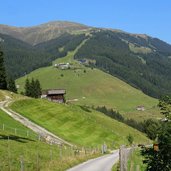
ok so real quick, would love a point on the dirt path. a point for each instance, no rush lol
(42, 132)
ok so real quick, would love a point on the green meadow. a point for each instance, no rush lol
(92, 87)
(78, 125)
(21, 150)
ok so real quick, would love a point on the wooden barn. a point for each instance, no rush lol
(55, 95)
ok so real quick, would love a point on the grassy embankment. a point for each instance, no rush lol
(77, 125)
(17, 145)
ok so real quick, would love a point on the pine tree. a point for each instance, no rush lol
(33, 88)
(12, 86)
(37, 89)
(3, 83)
(27, 88)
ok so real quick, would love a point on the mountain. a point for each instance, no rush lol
(140, 60)
(41, 33)
(22, 58)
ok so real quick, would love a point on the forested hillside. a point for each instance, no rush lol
(140, 60)
(22, 58)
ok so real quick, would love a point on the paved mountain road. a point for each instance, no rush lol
(103, 163)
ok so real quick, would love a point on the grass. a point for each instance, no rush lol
(116, 167)
(135, 161)
(36, 155)
(11, 125)
(96, 88)
(70, 55)
(14, 96)
(136, 49)
(2, 97)
(77, 125)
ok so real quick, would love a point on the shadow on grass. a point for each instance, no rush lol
(15, 138)
(85, 108)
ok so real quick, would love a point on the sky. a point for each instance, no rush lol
(151, 17)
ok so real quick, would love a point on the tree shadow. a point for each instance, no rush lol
(85, 108)
(15, 138)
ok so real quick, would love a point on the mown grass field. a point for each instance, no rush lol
(18, 147)
(93, 87)
(78, 125)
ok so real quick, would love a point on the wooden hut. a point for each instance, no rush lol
(55, 95)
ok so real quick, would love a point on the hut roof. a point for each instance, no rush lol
(54, 91)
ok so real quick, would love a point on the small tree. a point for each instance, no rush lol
(27, 88)
(130, 139)
(33, 88)
(165, 106)
(12, 86)
(151, 128)
(38, 90)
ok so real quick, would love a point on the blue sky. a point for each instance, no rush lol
(152, 17)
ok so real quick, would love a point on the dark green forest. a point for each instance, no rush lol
(22, 58)
(113, 55)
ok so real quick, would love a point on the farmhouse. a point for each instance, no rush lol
(140, 108)
(55, 95)
(63, 66)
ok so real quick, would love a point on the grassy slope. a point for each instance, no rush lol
(36, 155)
(13, 96)
(10, 124)
(76, 124)
(98, 88)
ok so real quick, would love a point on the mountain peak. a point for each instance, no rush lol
(61, 24)
(43, 32)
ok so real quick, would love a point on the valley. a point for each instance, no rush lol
(102, 71)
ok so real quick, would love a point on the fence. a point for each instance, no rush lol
(124, 154)
(19, 132)
(24, 150)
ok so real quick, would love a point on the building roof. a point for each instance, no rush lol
(54, 91)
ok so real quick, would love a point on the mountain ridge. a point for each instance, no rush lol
(43, 32)
(68, 26)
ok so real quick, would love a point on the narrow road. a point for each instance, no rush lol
(48, 136)
(103, 163)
